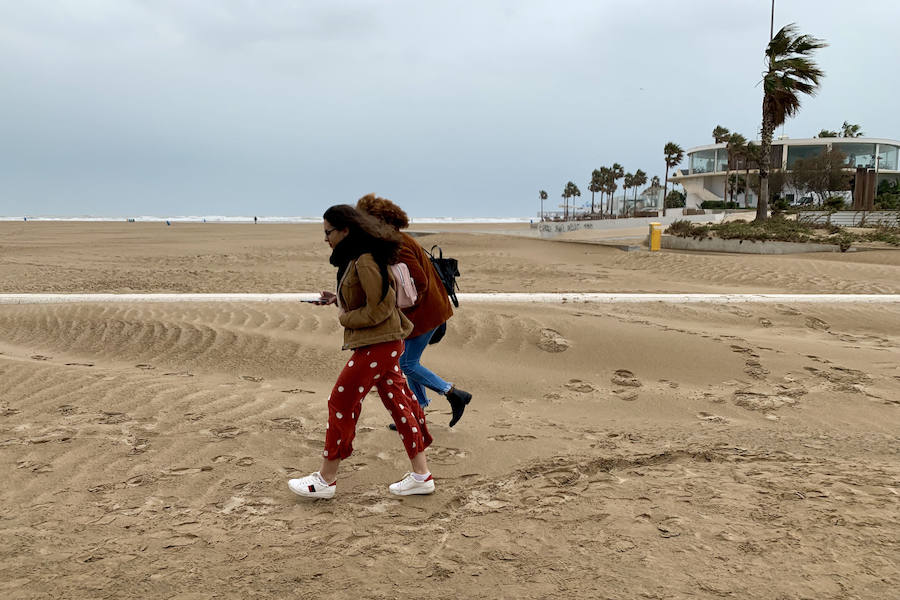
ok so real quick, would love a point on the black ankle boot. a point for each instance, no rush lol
(458, 400)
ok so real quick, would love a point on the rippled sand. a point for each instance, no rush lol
(614, 451)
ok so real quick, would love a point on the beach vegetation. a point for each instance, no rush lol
(790, 73)
(780, 229)
(675, 199)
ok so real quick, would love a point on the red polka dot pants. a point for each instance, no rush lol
(374, 365)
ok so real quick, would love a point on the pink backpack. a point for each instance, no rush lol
(406, 289)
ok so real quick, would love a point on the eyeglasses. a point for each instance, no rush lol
(330, 231)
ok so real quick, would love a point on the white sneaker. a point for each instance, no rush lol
(409, 486)
(313, 486)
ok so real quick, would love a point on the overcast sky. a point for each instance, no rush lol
(450, 108)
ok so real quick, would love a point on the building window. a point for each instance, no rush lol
(721, 159)
(776, 153)
(798, 152)
(887, 157)
(703, 161)
(858, 155)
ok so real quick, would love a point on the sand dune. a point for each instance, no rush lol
(627, 451)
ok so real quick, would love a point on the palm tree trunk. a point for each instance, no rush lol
(592, 202)
(665, 186)
(765, 151)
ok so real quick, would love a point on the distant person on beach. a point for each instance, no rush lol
(431, 310)
(374, 328)
(254, 220)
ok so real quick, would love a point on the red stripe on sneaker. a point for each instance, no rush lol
(429, 478)
(312, 489)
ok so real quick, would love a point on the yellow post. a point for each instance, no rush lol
(655, 236)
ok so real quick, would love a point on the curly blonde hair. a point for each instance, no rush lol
(383, 209)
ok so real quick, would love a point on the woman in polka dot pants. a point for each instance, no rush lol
(374, 328)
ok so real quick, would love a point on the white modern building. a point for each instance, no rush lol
(704, 177)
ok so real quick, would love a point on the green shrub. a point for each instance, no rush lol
(833, 203)
(713, 204)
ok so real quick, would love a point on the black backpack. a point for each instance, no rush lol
(448, 271)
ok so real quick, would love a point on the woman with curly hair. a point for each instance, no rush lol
(374, 328)
(431, 310)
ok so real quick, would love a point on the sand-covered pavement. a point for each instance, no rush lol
(611, 451)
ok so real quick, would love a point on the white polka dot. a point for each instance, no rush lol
(394, 353)
(340, 388)
(421, 421)
(403, 419)
(414, 444)
(373, 364)
(339, 415)
(390, 382)
(339, 442)
(325, 453)
(361, 389)
(377, 376)
(350, 364)
(401, 436)
(402, 407)
(396, 368)
(352, 415)
(390, 395)
(415, 430)
(326, 425)
(368, 353)
(414, 398)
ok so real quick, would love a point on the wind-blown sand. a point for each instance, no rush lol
(611, 451)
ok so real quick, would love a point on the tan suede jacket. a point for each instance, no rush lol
(368, 319)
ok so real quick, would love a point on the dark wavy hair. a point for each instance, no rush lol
(383, 209)
(367, 235)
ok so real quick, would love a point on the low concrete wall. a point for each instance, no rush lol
(554, 228)
(743, 246)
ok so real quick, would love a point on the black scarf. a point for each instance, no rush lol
(351, 248)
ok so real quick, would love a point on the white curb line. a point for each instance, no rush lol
(547, 298)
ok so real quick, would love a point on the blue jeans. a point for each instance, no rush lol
(420, 377)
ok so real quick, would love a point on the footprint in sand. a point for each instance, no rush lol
(552, 341)
(112, 418)
(297, 391)
(672, 384)
(77, 364)
(584, 387)
(289, 423)
(787, 310)
(446, 456)
(145, 367)
(511, 437)
(40, 357)
(764, 322)
(755, 370)
(252, 378)
(187, 470)
(762, 402)
(34, 467)
(139, 446)
(245, 461)
(227, 432)
(626, 378)
(711, 418)
(6, 411)
(743, 350)
(179, 374)
(629, 395)
(814, 323)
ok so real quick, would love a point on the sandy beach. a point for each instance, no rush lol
(611, 451)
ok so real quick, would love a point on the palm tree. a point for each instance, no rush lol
(604, 175)
(720, 134)
(733, 144)
(618, 172)
(567, 193)
(827, 133)
(790, 71)
(627, 182)
(543, 196)
(850, 130)
(674, 155)
(655, 181)
(595, 185)
(574, 192)
(640, 178)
